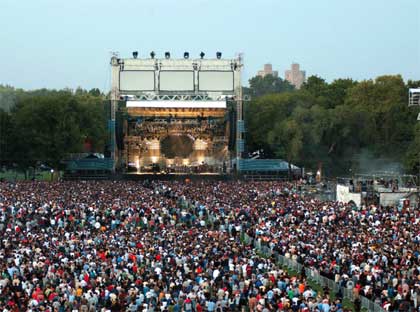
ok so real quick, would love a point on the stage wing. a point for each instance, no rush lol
(137, 80)
(215, 80)
(174, 80)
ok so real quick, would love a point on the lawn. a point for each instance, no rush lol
(14, 175)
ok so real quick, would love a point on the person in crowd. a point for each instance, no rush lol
(176, 246)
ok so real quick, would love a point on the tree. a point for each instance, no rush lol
(321, 122)
(316, 86)
(312, 120)
(286, 139)
(337, 92)
(93, 120)
(95, 92)
(384, 103)
(413, 84)
(412, 157)
(6, 131)
(8, 97)
(259, 86)
(262, 113)
(48, 128)
(51, 125)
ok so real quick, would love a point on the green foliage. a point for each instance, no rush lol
(328, 123)
(8, 97)
(332, 123)
(316, 86)
(268, 84)
(412, 159)
(45, 125)
(287, 138)
(6, 130)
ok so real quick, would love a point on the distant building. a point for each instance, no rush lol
(268, 70)
(295, 76)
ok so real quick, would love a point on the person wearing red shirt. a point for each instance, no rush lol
(198, 308)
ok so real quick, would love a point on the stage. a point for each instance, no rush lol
(176, 176)
(179, 116)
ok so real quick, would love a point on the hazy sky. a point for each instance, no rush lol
(57, 43)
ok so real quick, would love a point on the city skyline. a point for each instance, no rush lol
(59, 44)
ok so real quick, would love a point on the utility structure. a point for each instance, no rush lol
(414, 97)
(414, 100)
(180, 114)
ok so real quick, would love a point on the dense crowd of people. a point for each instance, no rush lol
(177, 246)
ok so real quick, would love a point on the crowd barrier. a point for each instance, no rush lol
(312, 274)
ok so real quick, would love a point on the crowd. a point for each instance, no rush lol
(176, 246)
(374, 249)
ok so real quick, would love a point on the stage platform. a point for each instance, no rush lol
(176, 176)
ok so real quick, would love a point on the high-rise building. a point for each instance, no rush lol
(295, 76)
(268, 70)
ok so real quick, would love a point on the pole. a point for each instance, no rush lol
(115, 68)
(418, 173)
(239, 117)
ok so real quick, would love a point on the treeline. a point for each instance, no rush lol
(44, 126)
(327, 124)
(335, 124)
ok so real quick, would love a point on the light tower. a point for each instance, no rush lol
(414, 100)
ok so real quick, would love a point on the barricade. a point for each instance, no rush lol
(312, 274)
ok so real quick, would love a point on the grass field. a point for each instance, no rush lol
(347, 304)
(13, 175)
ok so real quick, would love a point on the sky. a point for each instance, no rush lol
(68, 43)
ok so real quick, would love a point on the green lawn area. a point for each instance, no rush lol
(346, 302)
(13, 175)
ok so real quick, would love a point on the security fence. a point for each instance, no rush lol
(312, 274)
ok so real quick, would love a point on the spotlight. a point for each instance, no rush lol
(135, 54)
(202, 55)
(186, 55)
(167, 55)
(152, 54)
(219, 55)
